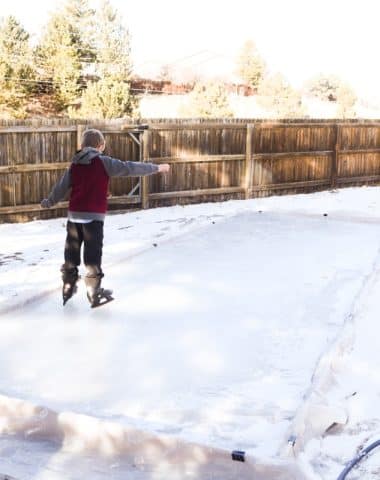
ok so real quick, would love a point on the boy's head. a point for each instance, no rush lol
(93, 138)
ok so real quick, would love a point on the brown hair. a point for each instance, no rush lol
(92, 138)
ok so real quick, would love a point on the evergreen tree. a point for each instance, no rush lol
(110, 96)
(346, 100)
(113, 55)
(332, 88)
(106, 99)
(324, 87)
(84, 25)
(16, 72)
(58, 58)
(208, 100)
(250, 65)
(278, 97)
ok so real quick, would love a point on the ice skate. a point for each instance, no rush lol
(70, 278)
(99, 297)
(68, 291)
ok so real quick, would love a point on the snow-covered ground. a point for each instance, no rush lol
(235, 325)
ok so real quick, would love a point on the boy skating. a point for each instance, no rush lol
(88, 178)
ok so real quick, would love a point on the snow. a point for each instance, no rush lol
(235, 325)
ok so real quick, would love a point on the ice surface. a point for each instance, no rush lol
(222, 313)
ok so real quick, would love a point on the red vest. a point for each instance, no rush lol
(89, 187)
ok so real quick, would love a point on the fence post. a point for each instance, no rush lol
(80, 130)
(144, 157)
(335, 156)
(248, 161)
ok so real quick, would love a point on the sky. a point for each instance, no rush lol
(234, 325)
(299, 38)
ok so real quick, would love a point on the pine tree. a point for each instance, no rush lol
(110, 96)
(58, 58)
(346, 100)
(333, 89)
(250, 65)
(16, 71)
(208, 100)
(113, 54)
(278, 97)
(84, 25)
(325, 87)
(106, 99)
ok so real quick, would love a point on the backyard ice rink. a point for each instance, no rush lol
(233, 324)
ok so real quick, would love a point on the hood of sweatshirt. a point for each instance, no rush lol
(85, 156)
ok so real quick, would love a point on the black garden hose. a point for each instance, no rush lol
(357, 459)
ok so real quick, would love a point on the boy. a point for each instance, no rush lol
(88, 177)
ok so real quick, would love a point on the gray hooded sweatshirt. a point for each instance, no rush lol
(113, 168)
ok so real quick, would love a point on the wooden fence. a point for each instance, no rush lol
(210, 160)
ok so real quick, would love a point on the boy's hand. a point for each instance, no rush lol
(45, 203)
(163, 168)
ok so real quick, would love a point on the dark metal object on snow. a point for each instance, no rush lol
(238, 456)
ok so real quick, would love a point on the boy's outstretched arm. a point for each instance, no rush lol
(59, 190)
(118, 168)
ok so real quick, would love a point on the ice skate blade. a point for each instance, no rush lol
(102, 302)
(67, 297)
(65, 300)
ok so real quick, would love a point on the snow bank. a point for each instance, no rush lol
(166, 456)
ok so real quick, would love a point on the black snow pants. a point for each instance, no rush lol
(91, 236)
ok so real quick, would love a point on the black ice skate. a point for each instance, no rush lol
(99, 297)
(70, 278)
(68, 291)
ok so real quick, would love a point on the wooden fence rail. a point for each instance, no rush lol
(213, 160)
